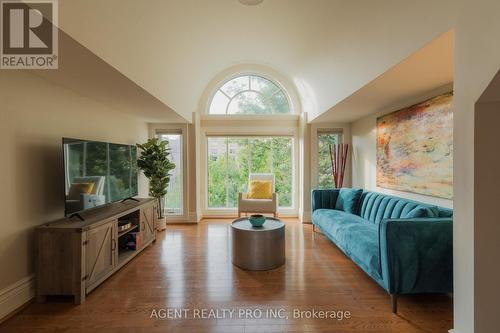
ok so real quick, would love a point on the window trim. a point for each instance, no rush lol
(316, 130)
(165, 128)
(281, 88)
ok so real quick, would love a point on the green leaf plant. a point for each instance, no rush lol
(155, 164)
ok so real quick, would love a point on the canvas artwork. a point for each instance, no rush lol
(415, 148)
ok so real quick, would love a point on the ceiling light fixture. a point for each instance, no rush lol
(251, 2)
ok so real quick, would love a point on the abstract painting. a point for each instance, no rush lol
(415, 148)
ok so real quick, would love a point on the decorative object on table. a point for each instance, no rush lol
(261, 196)
(155, 163)
(257, 220)
(124, 225)
(415, 148)
(338, 159)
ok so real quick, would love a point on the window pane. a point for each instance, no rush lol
(173, 202)
(250, 95)
(238, 168)
(260, 155)
(219, 103)
(264, 86)
(283, 170)
(236, 85)
(230, 160)
(217, 172)
(248, 102)
(278, 103)
(325, 179)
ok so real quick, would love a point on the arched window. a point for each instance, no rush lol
(250, 94)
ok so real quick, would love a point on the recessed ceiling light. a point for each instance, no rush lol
(251, 2)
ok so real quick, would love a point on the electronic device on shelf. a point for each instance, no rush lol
(98, 174)
(124, 225)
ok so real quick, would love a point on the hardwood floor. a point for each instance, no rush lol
(190, 267)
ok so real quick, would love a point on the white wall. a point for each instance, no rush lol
(477, 60)
(329, 48)
(34, 115)
(364, 166)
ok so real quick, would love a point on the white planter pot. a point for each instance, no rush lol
(161, 224)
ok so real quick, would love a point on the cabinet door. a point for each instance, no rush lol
(147, 223)
(100, 252)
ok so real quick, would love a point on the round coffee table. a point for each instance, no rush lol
(258, 249)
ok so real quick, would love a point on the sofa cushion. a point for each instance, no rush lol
(418, 211)
(354, 236)
(348, 200)
(422, 211)
(260, 189)
(433, 211)
(376, 207)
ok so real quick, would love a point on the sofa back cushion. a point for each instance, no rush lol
(375, 207)
(348, 200)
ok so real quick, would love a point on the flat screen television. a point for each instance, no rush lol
(97, 173)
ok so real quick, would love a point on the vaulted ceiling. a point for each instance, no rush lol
(327, 48)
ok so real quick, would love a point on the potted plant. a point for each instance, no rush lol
(154, 162)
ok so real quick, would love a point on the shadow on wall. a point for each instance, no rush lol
(486, 196)
(39, 181)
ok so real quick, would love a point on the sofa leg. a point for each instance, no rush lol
(394, 303)
(314, 228)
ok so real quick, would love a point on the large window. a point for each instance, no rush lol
(250, 94)
(173, 203)
(325, 139)
(231, 159)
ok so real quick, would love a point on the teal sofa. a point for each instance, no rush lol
(404, 245)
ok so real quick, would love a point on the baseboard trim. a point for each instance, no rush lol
(16, 296)
(193, 217)
(181, 222)
(182, 219)
(306, 217)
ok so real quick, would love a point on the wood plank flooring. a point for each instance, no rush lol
(190, 267)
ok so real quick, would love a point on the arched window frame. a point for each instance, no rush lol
(280, 87)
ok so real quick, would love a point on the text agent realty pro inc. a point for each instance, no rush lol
(247, 313)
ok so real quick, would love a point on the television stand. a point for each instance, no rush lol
(74, 257)
(129, 198)
(76, 215)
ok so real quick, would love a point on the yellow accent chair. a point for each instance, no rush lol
(258, 199)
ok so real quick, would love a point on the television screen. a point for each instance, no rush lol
(97, 173)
